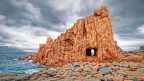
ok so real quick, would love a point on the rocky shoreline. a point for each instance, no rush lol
(83, 71)
(14, 76)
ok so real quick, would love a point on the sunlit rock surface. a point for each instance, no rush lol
(92, 32)
(89, 40)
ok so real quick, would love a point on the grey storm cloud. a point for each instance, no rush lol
(22, 21)
(129, 14)
(127, 17)
(51, 18)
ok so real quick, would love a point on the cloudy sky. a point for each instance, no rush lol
(27, 23)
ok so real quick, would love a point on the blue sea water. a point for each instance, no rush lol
(9, 63)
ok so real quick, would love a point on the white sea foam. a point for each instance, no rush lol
(30, 71)
(30, 60)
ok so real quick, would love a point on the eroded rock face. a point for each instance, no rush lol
(92, 32)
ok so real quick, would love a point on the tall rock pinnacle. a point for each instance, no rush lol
(90, 34)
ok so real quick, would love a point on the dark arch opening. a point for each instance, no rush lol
(91, 52)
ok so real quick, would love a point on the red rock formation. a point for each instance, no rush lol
(132, 56)
(92, 32)
(22, 57)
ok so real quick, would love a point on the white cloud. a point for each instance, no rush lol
(72, 19)
(53, 34)
(24, 37)
(129, 44)
(141, 29)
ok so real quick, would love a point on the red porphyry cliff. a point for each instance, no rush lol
(93, 32)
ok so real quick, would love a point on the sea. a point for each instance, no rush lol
(9, 63)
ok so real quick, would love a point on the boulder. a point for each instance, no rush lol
(124, 74)
(95, 67)
(52, 71)
(109, 77)
(123, 68)
(61, 72)
(140, 69)
(70, 67)
(103, 65)
(99, 76)
(132, 78)
(105, 70)
(118, 78)
(126, 65)
(92, 79)
(133, 66)
(94, 72)
(76, 64)
(22, 77)
(78, 69)
(116, 64)
(87, 70)
(22, 58)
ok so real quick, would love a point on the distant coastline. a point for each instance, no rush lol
(10, 49)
